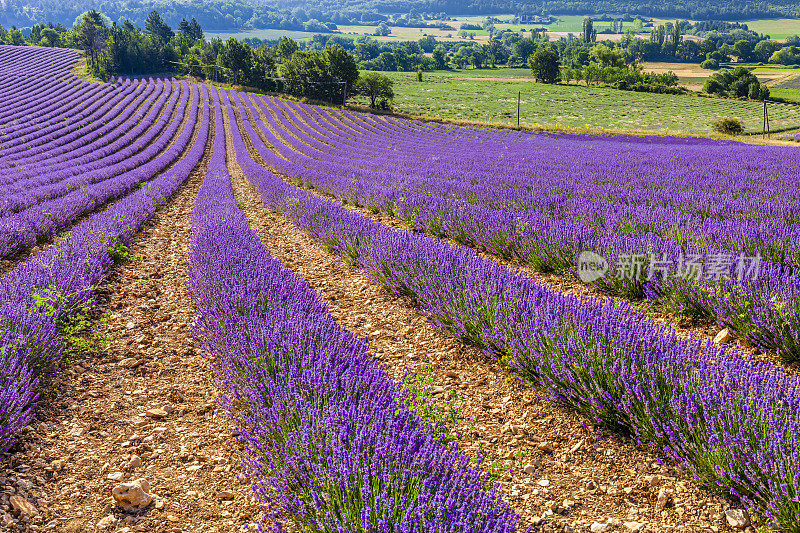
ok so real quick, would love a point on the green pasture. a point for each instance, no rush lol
(449, 95)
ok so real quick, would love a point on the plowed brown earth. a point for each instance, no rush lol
(559, 473)
(146, 394)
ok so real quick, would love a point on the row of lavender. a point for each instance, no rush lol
(40, 295)
(58, 181)
(689, 200)
(758, 299)
(731, 421)
(330, 444)
(568, 176)
(17, 60)
(30, 101)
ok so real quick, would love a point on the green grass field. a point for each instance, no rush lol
(258, 34)
(790, 94)
(449, 95)
(775, 28)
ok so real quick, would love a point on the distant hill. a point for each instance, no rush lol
(312, 15)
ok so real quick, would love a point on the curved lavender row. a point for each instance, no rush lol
(22, 230)
(127, 152)
(20, 59)
(24, 91)
(23, 62)
(330, 444)
(85, 113)
(444, 158)
(765, 310)
(63, 279)
(774, 240)
(28, 87)
(44, 67)
(46, 105)
(56, 124)
(58, 68)
(733, 422)
(441, 165)
(141, 125)
(121, 106)
(57, 140)
(775, 237)
(49, 119)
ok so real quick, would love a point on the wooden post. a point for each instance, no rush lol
(766, 114)
(519, 98)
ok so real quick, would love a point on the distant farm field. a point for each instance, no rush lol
(775, 28)
(267, 34)
(463, 96)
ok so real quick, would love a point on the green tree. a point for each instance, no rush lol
(764, 50)
(235, 56)
(91, 36)
(377, 87)
(497, 52)
(383, 30)
(155, 26)
(607, 57)
(49, 37)
(286, 48)
(736, 83)
(15, 37)
(545, 65)
(789, 55)
(304, 74)
(676, 34)
(195, 30)
(588, 34)
(523, 49)
(743, 49)
(440, 58)
(264, 61)
(478, 56)
(367, 50)
(340, 67)
(428, 43)
(185, 31)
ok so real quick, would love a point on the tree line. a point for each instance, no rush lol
(329, 73)
(323, 15)
(327, 66)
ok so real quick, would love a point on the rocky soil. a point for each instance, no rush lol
(558, 472)
(131, 437)
(138, 404)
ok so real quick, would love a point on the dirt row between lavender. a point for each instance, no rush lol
(8, 264)
(567, 284)
(140, 404)
(558, 472)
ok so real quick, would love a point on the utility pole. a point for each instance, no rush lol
(765, 123)
(344, 97)
(519, 98)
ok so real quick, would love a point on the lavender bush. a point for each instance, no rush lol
(330, 444)
(731, 421)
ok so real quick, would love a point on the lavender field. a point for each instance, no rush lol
(458, 222)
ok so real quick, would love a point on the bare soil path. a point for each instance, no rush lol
(559, 473)
(142, 406)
